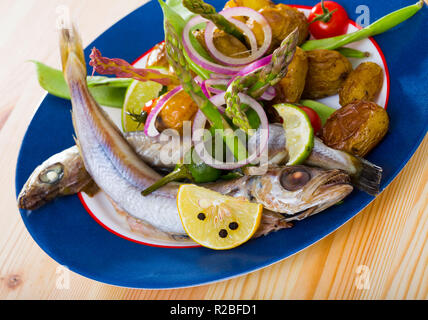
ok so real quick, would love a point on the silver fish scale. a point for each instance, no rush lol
(161, 212)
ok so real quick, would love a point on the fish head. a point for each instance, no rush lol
(62, 174)
(41, 185)
(299, 191)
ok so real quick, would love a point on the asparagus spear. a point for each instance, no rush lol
(177, 60)
(234, 109)
(208, 12)
(256, 83)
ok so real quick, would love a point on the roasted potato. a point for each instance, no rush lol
(224, 42)
(178, 109)
(290, 88)
(356, 128)
(328, 69)
(283, 20)
(253, 4)
(364, 83)
(157, 57)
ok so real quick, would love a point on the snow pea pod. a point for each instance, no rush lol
(352, 53)
(383, 24)
(106, 91)
(323, 111)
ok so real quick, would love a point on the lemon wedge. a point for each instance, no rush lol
(214, 220)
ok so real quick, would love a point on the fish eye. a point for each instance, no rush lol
(292, 179)
(52, 174)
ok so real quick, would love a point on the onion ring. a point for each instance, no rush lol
(198, 130)
(150, 126)
(255, 53)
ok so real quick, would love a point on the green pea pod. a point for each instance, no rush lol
(383, 24)
(106, 91)
(95, 81)
(323, 111)
(352, 53)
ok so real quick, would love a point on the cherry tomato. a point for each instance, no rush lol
(313, 117)
(149, 105)
(328, 19)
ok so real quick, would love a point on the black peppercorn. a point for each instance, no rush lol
(223, 233)
(233, 225)
(201, 216)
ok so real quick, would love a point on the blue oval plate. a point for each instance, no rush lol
(67, 233)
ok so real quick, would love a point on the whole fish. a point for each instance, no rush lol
(119, 171)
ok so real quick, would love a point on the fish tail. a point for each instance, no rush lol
(368, 178)
(72, 56)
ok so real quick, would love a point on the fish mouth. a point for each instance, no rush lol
(337, 177)
(335, 188)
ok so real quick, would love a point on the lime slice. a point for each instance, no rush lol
(298, 132)
(137, 95)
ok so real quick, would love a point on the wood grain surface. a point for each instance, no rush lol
(380, 254)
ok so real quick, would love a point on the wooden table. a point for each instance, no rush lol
(380, 254)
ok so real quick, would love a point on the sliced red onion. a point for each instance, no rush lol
(220, 76)
(196, 57)
(215, 90)
(253, 67)
(262, 134)
(269, 94)
(256, 53)
(205, 90)
(203, 86)
(198, 79)
(215, 82)
(222, 58)
(150, 126)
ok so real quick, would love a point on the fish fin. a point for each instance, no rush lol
(301, 215)
(91, 189)
(369, 177)
(76, 141)
(271, 222)
(148, 231)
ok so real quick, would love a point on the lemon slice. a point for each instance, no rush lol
(299, 133)
(137, 95)
(214, 220)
